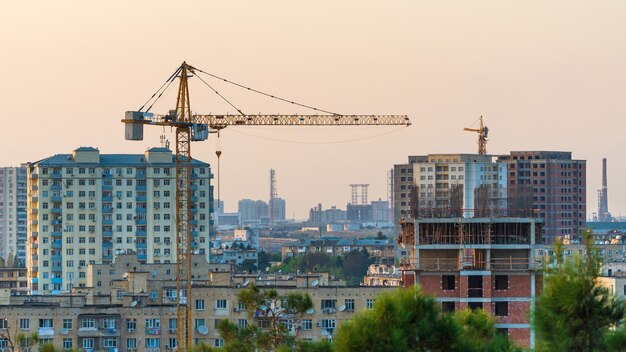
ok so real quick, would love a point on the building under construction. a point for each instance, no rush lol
(486, 263)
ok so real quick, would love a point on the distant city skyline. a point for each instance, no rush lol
(545, 76)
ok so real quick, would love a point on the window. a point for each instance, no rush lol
(172, 325)
(67, 344)
(131, 343)
(218, 343)
(502, 309)
(88, 323)
(221, 304)
(329, 303)
(107, 323)
(474, 286)
(307, 324)
(199, 304)
(88, 343)
(328, 323)
(242, 323)
(46, 323)
(350, 305)
(109, 342)
(369, 303)
(502, 282)
(153, 323)
(4, 324)
(152, 342)
(172, 343)
(200, 322)
(448, 282)
(131, 325)
(24, 324)
(475, 305)
(68, 324)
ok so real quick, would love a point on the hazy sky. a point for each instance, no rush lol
(545, 74)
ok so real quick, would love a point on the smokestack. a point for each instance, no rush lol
(604, 214)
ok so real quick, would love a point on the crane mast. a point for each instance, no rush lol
(482, 136)
(190, 127)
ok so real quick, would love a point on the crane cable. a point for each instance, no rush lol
(167, 83)
(266, 94)
(221, 96)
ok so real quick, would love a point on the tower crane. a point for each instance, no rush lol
(193, 127)
(482, 136)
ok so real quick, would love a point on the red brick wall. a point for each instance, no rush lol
(431, 284)
(519, 286)
(521, 337)
(519, 313)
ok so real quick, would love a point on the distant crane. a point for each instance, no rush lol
(190, 127)
(482, 136)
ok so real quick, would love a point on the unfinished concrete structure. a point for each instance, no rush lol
(486, 263)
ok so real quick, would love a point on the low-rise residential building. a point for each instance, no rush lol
(134, 310)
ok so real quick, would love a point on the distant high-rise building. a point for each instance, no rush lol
(549, 185)
(402, 186)
(13, 225)
(251, 211)
(86, 207)
(319, 216)
(279, 209)
(380, 210)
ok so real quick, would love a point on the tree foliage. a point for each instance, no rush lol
(275, 311)
(408, 320)
(574, 313)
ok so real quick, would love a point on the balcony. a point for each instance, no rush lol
(34, 245)
(107, 221)
(57, 257)
(34, 199)
(34, 269)
(56, 210)
(141, 210)
(107, 187)
(107, 199)
(57, 269)
(57, 280)
(57, 199)
(56, 187)
(56, 175)
(141, 245)
(56, 234)
(107, 210)
(141, 233)
(34, 222)
(56, 244)
(107, 233)
(45, 332)
(142, 256)
(56, 222)
(141, 198)
(107, 175)
(34, 280)
(107, 244)
(141, 221)
(140, 187)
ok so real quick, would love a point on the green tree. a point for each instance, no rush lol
(355, 265)
(275, 311)
(407, 320)
(573, 312)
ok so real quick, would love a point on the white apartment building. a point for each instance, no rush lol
(441, 175)
(13, 214)
(86, 207)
